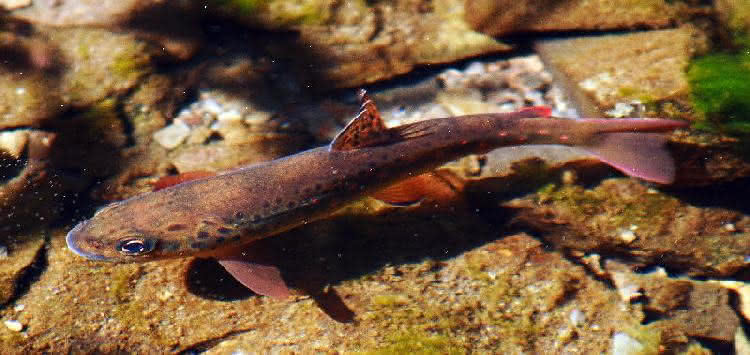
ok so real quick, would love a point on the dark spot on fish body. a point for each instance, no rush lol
(176, 227)
(224, 230)
(278, 200)
(318, 187)
(203, 235)
(266, 204)
(169, 246)
(197, 245)
(291, 204)
(256, 218)
(239, 215)
(220, 240)
(236, 238)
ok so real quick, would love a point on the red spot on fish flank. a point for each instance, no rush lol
(543, 132)
(464, 141)
(502, 134)
(564, 138)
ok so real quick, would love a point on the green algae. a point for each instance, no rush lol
(415, 342)
(720, 91)
(648, 210)
(243, 7)
(121, 286)
(278, 13)
(132, 63)
(648, 336)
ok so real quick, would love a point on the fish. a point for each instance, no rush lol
(221, 216)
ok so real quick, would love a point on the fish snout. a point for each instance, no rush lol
(74, 240)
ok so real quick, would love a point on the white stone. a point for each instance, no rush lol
(623, 344)
(231, 115)
(13, 325)
(730, 227)
(173, 135)
(577, 317)
(14, 142)
(14, 4)
(627, 235)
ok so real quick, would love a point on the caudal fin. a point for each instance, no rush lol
(642, 155)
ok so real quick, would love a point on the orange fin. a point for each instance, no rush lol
(434, 186)
(535, 111)
(366, 129)
(171, 180)
(262, 279)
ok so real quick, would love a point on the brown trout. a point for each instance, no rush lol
(220, 216)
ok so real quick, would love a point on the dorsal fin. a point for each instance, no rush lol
(366, 129)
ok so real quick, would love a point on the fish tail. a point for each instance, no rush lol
(637, 147)
(642, 155)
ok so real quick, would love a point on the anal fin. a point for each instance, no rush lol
(435, 186)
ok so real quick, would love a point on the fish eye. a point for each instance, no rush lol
(135, 246)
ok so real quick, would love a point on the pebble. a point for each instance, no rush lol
(623, 344)
(577, 317)
(627, 235)
(13, 325)
(19, 307)
(14, 142)
(729, 227)
(14, 4)
(231, 115)
(173, 135)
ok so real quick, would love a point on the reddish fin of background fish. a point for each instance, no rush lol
(642, 155)
(433, 186)
(171, 180)
(535, 111)
(366, 129)
(262, 279)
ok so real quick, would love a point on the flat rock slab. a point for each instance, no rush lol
(80, 12)
(499, 17)
(624, 216)
(505, 296)
(648, 66)
(19, 255)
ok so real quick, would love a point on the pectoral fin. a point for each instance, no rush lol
(262, 279)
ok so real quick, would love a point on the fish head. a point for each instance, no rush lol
(112, 235)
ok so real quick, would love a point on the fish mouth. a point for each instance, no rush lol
(71, 238)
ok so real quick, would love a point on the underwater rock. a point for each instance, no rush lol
(681, 307)
(27, 99)
(671, 232)
(22, 252)
(220, 132)
(99, 63)
(507, 295)
(501, 17)
(81, 12)
(30, 191)
(359, 44)
(609, 69)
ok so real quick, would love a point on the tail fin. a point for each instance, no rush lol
(641, 155)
